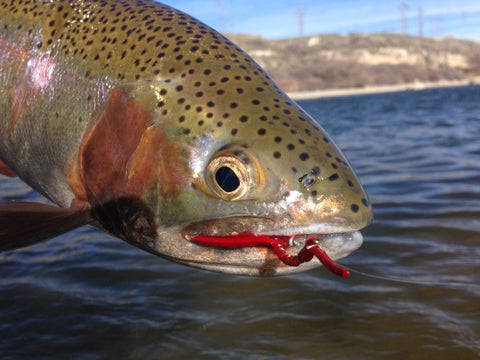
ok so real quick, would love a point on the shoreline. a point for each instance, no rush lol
(378, 89)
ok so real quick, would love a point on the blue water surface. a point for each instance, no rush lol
(86, 295)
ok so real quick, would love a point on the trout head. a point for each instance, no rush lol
(187, 160)
(186, 138)
(195, 139)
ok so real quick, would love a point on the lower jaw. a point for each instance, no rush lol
(260, 261)
(278, 269)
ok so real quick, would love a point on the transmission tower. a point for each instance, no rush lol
(420, 22)
(403, 11)
(300, 19)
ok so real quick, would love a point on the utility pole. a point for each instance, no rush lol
(420, 21)
(403, 10)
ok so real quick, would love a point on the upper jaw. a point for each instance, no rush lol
(175, 244)
(258, 225)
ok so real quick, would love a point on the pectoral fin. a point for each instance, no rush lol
(27, 223)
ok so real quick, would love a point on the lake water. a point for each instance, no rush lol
(86, 295)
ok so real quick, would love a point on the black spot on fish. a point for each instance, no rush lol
(304, 156)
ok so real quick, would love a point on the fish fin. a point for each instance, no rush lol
(27, 223)
(5, 170)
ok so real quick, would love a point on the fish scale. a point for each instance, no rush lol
(165, 130)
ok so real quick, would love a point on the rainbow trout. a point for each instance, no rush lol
(138, 119)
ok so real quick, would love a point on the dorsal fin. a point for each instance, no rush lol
(27, 223)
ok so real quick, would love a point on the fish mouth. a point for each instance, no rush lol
(259, 260)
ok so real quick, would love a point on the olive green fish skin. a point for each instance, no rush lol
(210, 106)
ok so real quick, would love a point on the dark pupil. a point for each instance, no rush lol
(227, 179)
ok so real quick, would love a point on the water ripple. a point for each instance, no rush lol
(86, 295)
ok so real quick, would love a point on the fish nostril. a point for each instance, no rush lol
(315, 170)
(307, 180)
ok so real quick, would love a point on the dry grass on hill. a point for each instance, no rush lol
(357, 60)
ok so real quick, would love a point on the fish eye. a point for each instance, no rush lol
(231, 174)
(227, 179)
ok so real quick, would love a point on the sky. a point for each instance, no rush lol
(276, 19)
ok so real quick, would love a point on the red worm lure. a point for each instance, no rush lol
(278, 245)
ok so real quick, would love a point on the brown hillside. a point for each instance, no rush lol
(358, 60)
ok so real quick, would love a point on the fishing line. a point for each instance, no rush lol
(414, 282)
